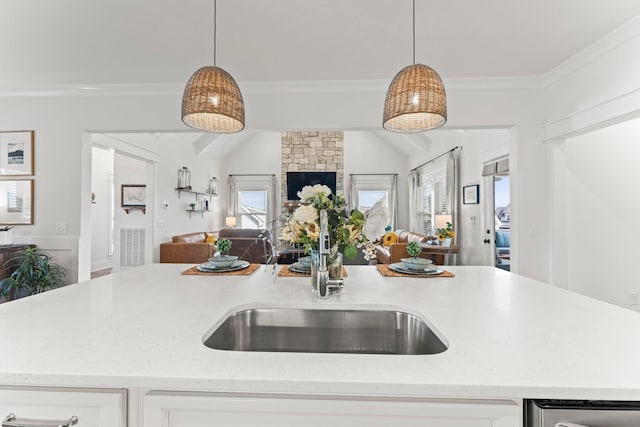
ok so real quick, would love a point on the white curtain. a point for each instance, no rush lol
(453, 187)
(415, 200)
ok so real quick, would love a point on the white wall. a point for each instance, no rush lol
(582, 124)
(603, 236)
(175, 219)
(256, 153)
(368, 153)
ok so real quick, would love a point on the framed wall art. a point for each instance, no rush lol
(133, 197)
(471, 194)
(16, 202)
(16, 152)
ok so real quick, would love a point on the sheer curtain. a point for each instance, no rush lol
(415, 200)
(453, 188)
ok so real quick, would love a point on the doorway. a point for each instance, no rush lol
(497, 214)
(120, 238)
(502, 221)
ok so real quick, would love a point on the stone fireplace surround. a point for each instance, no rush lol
(312, 151)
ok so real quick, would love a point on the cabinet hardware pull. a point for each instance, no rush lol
(11, 421)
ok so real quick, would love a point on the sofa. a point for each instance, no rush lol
(396, 251)
(248, 244)
(188, 248)
(503, 242)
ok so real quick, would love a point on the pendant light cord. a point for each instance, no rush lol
(414, 32)
(215, 27)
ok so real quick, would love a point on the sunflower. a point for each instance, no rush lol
(389, 238)
(441, 237)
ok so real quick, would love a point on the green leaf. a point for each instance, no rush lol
(350, 251)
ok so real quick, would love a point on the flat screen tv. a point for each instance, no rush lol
(297, 180)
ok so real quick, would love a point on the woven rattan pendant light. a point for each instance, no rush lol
(416, 100)
(212, 101)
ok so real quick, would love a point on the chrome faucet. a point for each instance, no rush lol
(326, 286)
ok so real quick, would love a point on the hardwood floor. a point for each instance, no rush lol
(100, 273)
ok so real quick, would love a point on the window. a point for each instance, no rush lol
(429, 196)
(367, 190)
(252, 209)
(252, 200)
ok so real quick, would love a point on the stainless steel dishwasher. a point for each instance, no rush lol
(581, 413)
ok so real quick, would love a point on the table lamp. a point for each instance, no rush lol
(230, 221)
(441, 221)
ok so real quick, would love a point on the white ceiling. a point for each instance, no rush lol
(101, 42)
(85, 42)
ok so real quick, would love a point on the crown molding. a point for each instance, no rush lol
(615, 38)
(44, 91)
(290, 87)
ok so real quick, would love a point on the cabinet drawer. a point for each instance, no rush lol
(179, 409)
(93, 407)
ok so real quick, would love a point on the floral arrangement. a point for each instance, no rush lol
(446, 233)
(347, 230)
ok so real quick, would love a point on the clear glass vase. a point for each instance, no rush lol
(334, 266)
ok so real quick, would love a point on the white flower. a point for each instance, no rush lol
(376, 220)
(309, 191)
(305, 213)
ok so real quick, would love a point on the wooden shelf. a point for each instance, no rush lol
(196, 193)
(197, 210)
(135, 208)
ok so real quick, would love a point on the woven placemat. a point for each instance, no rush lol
(193, 271)
(386, 271)
(285, 272)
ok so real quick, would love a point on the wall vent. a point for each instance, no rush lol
(132, 244)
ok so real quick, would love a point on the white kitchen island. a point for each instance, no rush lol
(141, 330)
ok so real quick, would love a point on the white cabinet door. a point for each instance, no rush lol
(164, 409)
(93, 407)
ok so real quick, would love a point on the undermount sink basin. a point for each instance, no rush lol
(324, 331)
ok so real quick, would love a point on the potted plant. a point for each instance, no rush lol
(222, 259)
(414, 263)
(33, 271)
(446, 235)
(414, 249)
(224, 246)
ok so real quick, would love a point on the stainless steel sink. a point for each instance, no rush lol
(324, 331)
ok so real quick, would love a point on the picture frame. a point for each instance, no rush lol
(16, 202)
(16, 153)
(133, 196)
(471, 194)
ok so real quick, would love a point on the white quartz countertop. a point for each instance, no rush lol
(508, 336)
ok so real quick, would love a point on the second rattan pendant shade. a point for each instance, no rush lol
(415, 101)
(212, 102)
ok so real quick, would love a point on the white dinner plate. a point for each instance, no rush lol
(297, 267)
(207, 267)
(399, 267)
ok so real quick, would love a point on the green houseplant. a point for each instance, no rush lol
(414, 249)
(33, 271)
(224, 246)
